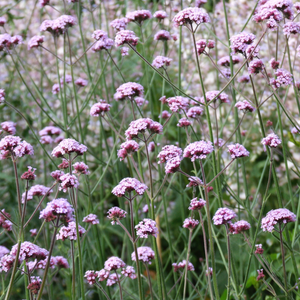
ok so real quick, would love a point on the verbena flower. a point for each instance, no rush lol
(36, 190)
(128, 185)
(81, 82)
(161, 61)
(198, 150)
(81, 168)
(59, 25)
(274, 216)
(244, 105)
(13, 145)
(127, 148)
(2, 96)
(241, 41)
(162, 35)
(197, 204)
(168, 152)
(3, 251)
(239, 226)
(223, 216)
(210, 95)
(195, 112)
(160, 15)
(283, 78)
(126, 37)
(34, 285)
(119, 24)
(57, 208)
(173, 165)
(145, 254)
(100, 108)
(182, 265)
(178, 103)
(237, 151)
(69, 232)
(259, 249)
(129, 90)
(139, 15)
(190, 223)
(271, 140)
(91, 218)
(129, 272)
(116, 213)
(2, 21)
(9, 127)
(145, 228)
(68, 181)
(114, 263)
(29, 251)
(184, 122)
(68, 146)
(255, 66)
(225, 60)
(191, 15)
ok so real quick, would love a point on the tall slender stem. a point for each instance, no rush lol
(187, 263)
(229, 263)
(282, 256)
(149, 280)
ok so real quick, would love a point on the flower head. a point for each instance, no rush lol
(114, 263)
(68, 181)
(195, 112)
(259, 249)
(255, 66)
(81, 168)
(168, 152)
(9, 127)
(68, 146)
(173, 165)
(240, 42)
(145, 254)
(129, 272)
(160, 15)
(129, 90)
(100, 108)
(69, 232)
(162, 35)
(119, 24)
(126, 37)
(127, 148)
(274, 216)
(91, 218)
(239, 227)
(178, 103)
(139, 15)
(146, 227)
(237, 151)
(59, 25)
(197, 204)
(191, 15)
(184, 122)
(271, 140)
(190, 223)
(244, 105)
(161, 61)
(182, 265)
(128, 185)
(223, 216)
(198, 150)
(283, 78)
(116, 213)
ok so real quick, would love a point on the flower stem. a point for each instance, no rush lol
(282, 256)
(187, 263)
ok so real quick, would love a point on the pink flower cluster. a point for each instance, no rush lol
(127, 148)
(100, 108)
(274, 216)
(195, 112)
(160, 15)
(4, 223)
(161, 62)
(244, 105)
(237, 151)
(145, 228)
(191, 15)
(36, 41)
(34, 285)
(283, 78)
(162, 35)
(139, 126)
(213, 95)
(239, 226)
(198, 150)
(69, 232)
(202, 44)
(47, 134)
(255, 66)
(129, 90)
(190, 223)
(139, 15)
(171, 155)
(271, 140)
(91, 218)
(58, 208)
(182, 265)
(2, 96)
(184, 122)
(126, 37)
(224, 216)
(197, 204)
(145, 254)
(59, 25)
(68, 181)
(36, 190)
(119, 24)
(103, 42)
(68, 146)
(8, 42)
(115, 213)
(14, 146)
(225, 60)
(128, 185)
(178, 103)
(81, 168)
(259, 249)
(9, 127)
(114, 263)
(241, 41)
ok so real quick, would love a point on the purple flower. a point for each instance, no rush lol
(237, 151)
(50, 130)
(139, 15)
(173, 165)
(68, 181)
(29, 250)
(239, 227)
(9, 127)
(68, 146)
(91, 277)
(140, 126)
(119, 24)
(259, 249)
(129, 90)
(198, 150)
(274, 216)
(190, 223)
(114, 263)
(199, 3)
(128, 185)
(283, 77)
(91, 218)
(2, 96)
(81, 168)
(191, 15)
(168, 152)
(223, 97)
(271, 140)
(59, 25)
(126, 37)
(255, 66)
(178, 103)
(197, 204)
(161, 61)
(274, 64)
(244, 79)
(6, 262)
(2, 21)
(200, 45)
(103, 44)
(81, 82)
(244, 105)
(100, 108)
(195, 112)
(57, 207)
(146, 227)
(223, 216)
(129, 272)
(184, 122)
(3, 251)
(145, 254)
(69, 232)
(295, 130)
(116, 213)
(160, 15)
(112, 279)
(36, 190)
(241, 41)
(182, 265)
(194, 181)
(225, 60)
(127, 148)
(35, 41)
(260, 274)
(291, 28)
(162, 35)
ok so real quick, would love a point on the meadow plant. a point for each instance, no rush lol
(149, 149)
